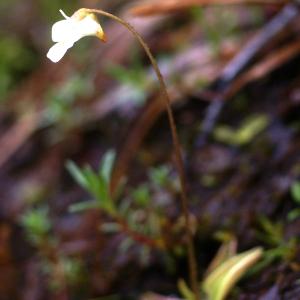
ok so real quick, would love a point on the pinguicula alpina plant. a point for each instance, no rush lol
(84, 23)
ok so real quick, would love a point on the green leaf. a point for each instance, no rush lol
(250, 128)
(220, 281)
(243, 135)
(103, 190)
(294, 214)
(225, 134)
(36, 223)
(226, 251)
(81, 206)
(106, 165)
(104, 197)
(160, 175)
(295, 191)
(141, 195)
(92, 181)
(272, 233)
(77, 174)
(110, 227)
(185, 291)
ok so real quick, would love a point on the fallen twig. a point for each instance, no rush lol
(159, 7)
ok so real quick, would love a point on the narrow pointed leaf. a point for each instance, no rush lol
(107, 165)
(219, 282)
(77, 174)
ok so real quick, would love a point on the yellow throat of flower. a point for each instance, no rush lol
(83, 13)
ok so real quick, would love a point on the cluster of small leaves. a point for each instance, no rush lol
(142, 210)
(38, 229)
(272, 234)
(37, 224)
(96, 183)
(149, 198)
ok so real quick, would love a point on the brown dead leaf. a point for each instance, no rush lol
(169, 6)
(261, 69)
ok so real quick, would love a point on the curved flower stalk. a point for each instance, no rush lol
(83, 23)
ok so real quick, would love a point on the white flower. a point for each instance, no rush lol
(66, 32)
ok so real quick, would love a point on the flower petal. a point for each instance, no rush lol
(64, 30)
(88, 26)
(58, 50)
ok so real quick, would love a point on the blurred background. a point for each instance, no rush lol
(89, 196)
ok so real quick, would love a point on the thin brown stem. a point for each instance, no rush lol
(177, 148)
